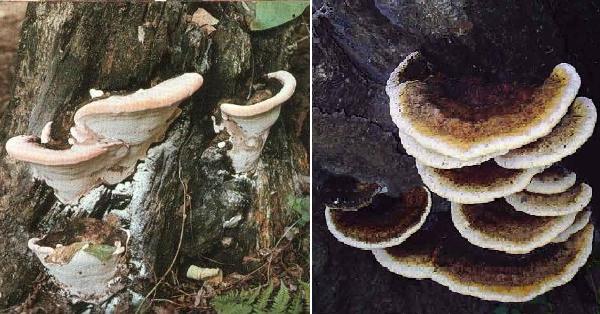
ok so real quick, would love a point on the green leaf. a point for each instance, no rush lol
(281, 301)
(296, 306)
(232, 308)
(306, 290)
(300, 205)
(263, 299)
(269, 14)
(101, 251)
(254, 293)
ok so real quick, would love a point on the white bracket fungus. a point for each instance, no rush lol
(85, 268)
(109, 137)
(248, 126)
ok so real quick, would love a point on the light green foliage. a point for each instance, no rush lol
(300, 206)
(102, 251)
(269, 14)
(262, 301)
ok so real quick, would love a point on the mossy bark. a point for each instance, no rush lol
(68, 48)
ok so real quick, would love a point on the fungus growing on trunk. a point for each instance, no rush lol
(436, 160)
(498, 226)
(553, 180)
(138, 119)
(465, 118)
(570, 201)
(571, 133)
(581, 220)
(248, 126)
(70, 172)
(110, 135)
(440, 254)
(386, 222)
(476, 184)
(521, 228)
(86, 258)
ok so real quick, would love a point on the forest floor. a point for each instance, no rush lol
(11, 16)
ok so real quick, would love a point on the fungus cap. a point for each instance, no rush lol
(84, 266)
(517, 279)
(466, 119)
(475, 184)
(287, 90)
(571, 133)
(414, 258)
(581, 220)
(572, 200)
(70, 172)
(553, 180)
(436, 160)
(385, 222)
(498, 226)
(450, 260)
(248, 126)
(138, 119)
(168, 93)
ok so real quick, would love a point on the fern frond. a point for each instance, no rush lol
(263, 299)
(306, 295)
(281, 300)
(252, 295)
(296, 306)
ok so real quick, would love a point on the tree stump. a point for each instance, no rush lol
(185, 182)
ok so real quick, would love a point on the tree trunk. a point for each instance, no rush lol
(356, 45)
(185, 181)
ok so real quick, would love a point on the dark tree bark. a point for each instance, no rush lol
(68, 48)
(356, 46)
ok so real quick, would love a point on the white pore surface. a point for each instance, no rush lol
(84, 277)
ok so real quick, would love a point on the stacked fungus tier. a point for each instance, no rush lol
(519, 222)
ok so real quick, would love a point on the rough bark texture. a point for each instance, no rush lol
(356, 45)
(68, 48)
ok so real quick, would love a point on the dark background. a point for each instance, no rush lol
(356, 45)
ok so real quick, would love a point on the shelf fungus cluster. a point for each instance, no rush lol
(248, 125)
(520, 222)
(109, 136)
(86, 258)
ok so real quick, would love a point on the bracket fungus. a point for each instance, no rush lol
(553, 180)
(490, 149)
(86, 258)
(440, 254)
(70, 172)
(109, 136)
(570, 201)
(581, 220)
(386, 222)
(498, 226)
(138, 119)
(465, 118)
(436, 160)
(571, 133)
(248, 126)
(476, 184)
